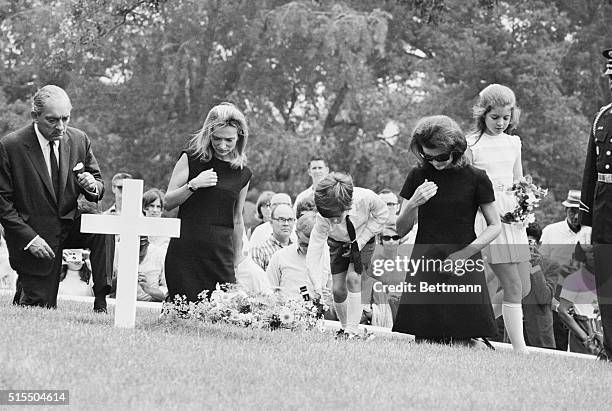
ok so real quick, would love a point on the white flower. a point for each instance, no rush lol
(531, 198)
(286, 316)
(79, 168)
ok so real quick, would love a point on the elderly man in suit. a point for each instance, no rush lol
(44, 167)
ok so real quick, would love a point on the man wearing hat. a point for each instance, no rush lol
(557, 246)
(558, 239)
(596, 208)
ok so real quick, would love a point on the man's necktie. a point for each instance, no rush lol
(355, 254)
(54, 170)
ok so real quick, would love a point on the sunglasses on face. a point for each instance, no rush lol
(440, 157)
(390, 237)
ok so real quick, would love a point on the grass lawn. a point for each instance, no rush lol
(164, 365)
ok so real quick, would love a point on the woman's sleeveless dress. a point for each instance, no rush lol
(204, 254)
(497, 156)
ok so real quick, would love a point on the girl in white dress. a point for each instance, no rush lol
(499, 154)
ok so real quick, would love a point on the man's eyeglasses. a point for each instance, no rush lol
(440, 157)
(390, 237)
(284, 220)
(266, 205)
(277, 204)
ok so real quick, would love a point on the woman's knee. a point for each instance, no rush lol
(510, 280)
(525, 275)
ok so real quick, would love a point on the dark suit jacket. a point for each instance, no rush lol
(28, 206)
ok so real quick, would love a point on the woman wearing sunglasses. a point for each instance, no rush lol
(445, 298)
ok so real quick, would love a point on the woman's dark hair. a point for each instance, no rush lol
(263, 198)
(439, 132)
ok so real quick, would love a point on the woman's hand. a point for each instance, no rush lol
(448, 264)
(206, 178)
(423, 193)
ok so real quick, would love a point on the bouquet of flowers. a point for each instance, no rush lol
(528, 196)
(233, 304)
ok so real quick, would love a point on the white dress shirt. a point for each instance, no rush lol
(44, 146)
(558, 241)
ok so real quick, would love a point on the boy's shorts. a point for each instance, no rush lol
(339, 264)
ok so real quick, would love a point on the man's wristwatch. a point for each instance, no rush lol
(191, 188)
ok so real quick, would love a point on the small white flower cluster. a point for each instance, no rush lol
(528, 196)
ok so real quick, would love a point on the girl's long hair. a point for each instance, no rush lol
(494, 95)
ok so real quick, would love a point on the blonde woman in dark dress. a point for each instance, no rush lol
(209, 185)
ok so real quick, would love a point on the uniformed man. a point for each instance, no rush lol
(596, 208)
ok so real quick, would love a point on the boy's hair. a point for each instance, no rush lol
(494, 95)
(120, 176)
(439, 132)
(317, 158)
(334, 194)
(305, 205)
(305, 223)
(534, 230)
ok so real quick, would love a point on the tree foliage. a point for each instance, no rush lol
(347, 79)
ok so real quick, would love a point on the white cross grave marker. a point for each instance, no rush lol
(130, 225)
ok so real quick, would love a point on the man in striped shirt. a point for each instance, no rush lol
(283, 220)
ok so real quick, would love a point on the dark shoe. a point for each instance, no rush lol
(100, 305)
(603, 356)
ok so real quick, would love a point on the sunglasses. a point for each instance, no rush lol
(439, 158)
(390, 237)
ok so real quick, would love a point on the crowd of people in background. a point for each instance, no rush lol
(557, 312)
(334, 241)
